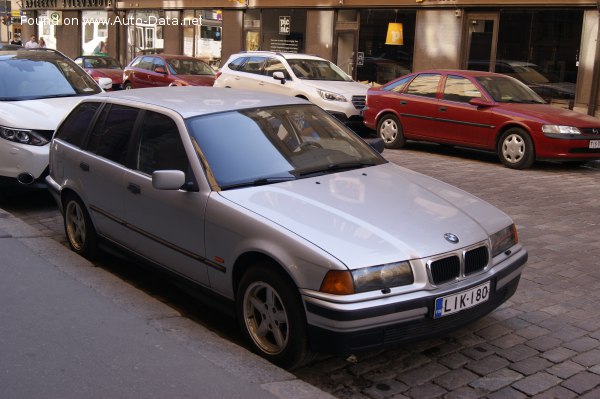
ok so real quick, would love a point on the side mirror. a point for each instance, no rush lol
(105, 83)
(168, 179)
(377, 144)
(160, 70)
(279, 76)
(480, 102)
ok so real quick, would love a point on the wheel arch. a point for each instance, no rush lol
(247, 259)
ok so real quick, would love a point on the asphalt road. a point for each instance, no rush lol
(544, 342)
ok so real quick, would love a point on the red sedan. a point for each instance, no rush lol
(480, 110)
(102, 67)
(167, 70)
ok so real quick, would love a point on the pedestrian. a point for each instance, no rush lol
(42, 43)
(101, 49)
(32, 43)
(16, 40)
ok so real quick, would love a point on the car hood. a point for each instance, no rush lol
(347, 88)
(374, 215)
(549, 114)
(43, 114)
(115, 74)
(197, 80)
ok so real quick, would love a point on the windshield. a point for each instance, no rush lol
(505, 89)
(269, 145)
(101, 62)
(317, 70)
(189, 67)
(28, 76)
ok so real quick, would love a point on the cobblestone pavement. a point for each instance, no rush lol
(543, 343)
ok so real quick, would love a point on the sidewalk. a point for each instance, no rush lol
(72, 330)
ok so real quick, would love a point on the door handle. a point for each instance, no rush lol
(443, 109)
(134, 188)
(403, 102)
(84, 166)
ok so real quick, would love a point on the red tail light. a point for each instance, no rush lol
(217, 74)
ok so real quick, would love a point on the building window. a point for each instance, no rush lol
(541, 48)
(203, 40)
(146, 35)
(283, 30)
(382, 60)
(94, 33)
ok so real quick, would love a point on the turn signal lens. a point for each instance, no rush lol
(338, 282)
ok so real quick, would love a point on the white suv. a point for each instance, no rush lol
(299, 75)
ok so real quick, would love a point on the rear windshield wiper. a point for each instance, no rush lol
(333, 167)
(259, 182)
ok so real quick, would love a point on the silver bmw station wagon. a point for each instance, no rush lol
(294, 222)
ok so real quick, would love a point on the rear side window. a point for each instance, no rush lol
(236, 64)
(146, 63)
(398, 85)
(160, 147)
(425, 85)
(74, 127)
(112, 132)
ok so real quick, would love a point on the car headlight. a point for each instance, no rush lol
(380, 277)
(22, 136)
(558, 129)
(504, 239)
(330, 96)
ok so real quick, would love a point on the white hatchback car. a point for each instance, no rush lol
(37, 88)
(298, 75)
(283, 214)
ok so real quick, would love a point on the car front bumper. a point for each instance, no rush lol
(21, 159)
(343, 329)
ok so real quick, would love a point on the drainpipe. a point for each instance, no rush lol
(596, 71)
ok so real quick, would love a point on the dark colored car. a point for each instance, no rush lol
(102, 67)
(547, 85)
(167, 70)
(482, 110)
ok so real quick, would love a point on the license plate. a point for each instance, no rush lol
(594, 143)
(450, 304)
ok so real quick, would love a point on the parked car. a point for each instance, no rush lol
(167, 70)
(102, 67)
(481, 110)
(283, 214)
(545, 84)
(37, 88)
(380, 70)
(298, 75)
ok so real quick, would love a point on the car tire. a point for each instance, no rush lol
(515, 149)
(127, 86)
(79, 228)
(271, 316)
(390, 131)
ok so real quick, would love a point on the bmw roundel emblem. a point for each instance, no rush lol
(451, 238)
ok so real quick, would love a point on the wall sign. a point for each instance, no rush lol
(285, 25)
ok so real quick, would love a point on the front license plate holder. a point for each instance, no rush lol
(450, 304)
(594, 144)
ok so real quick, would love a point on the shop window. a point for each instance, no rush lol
(383, 60)
(146, 36)
(283, 30)
(203, 40)
(94, 33)
(540, 48)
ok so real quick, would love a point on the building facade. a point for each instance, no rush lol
(550, 44)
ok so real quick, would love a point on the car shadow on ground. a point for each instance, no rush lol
(492, 158)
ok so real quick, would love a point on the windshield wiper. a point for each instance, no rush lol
(333, 167)
(259, 182)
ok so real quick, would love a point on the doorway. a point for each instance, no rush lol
(482, 39)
